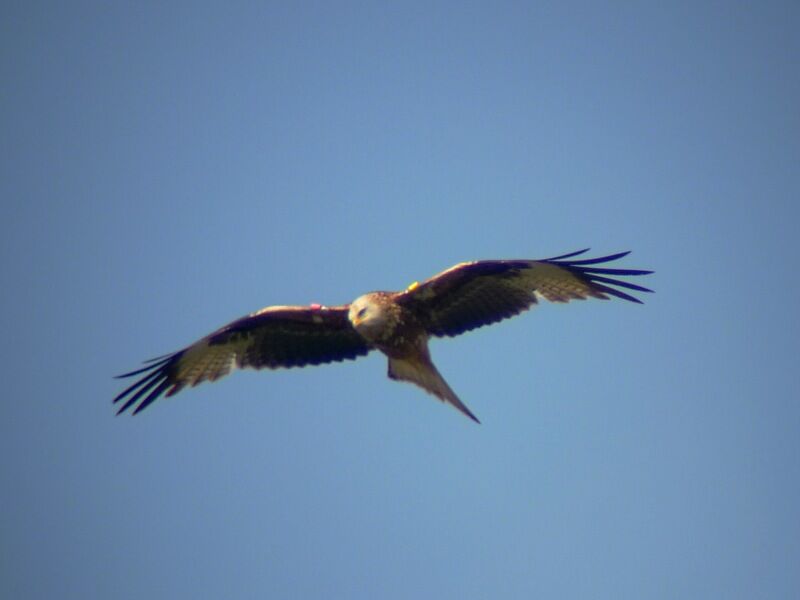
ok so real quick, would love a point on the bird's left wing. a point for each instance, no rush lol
(274, 337)
(470, 295)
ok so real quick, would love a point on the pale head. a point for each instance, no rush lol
(369, 316)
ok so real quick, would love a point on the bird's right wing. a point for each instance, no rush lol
(274, 337)
(478, 293)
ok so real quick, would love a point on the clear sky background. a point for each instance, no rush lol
(166, 168)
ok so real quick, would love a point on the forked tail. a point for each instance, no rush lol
(422, 372)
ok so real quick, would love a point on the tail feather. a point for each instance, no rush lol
(423, 373)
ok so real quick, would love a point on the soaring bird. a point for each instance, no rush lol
(399, 324)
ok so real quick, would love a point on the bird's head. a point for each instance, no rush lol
(369, 316)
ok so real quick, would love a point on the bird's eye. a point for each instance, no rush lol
(362, 312)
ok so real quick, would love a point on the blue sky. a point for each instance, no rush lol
(166, 169)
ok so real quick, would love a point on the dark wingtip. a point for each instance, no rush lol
(595, 276)
(151, 364)
(569, 255)
(600, 259)
(152, 396)
(154, 381)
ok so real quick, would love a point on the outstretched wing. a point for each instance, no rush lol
(274, 337)
(470, 295)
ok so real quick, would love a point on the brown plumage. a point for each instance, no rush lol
(399, 324)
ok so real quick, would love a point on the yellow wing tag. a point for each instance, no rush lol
(413, 286)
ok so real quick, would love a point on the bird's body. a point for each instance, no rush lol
(398, 324)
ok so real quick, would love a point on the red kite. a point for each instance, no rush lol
(399, 324)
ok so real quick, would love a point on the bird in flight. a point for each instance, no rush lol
(399, 324)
